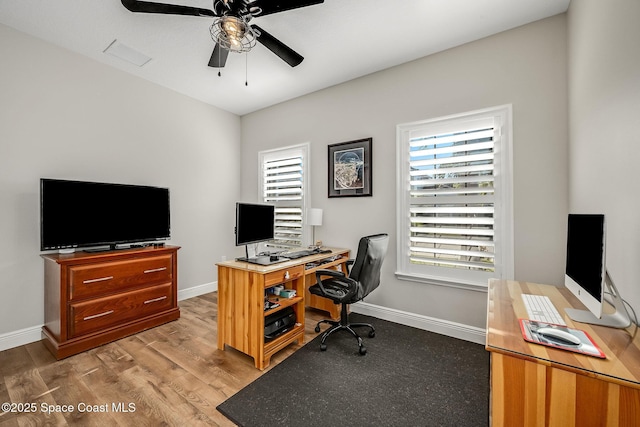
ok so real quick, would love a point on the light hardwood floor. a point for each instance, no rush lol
(171, 375)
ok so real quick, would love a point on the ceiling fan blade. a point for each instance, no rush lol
(169, 9)
(287, 54)
(218, 57)
(268, 7)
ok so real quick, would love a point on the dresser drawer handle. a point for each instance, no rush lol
(106, 313)
(100, 279)
(149, 301)
(154, 270)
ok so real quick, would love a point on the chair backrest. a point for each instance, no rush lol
(366, 268)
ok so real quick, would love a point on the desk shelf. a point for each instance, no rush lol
(284, 303)
(324, 266)
(273, 346)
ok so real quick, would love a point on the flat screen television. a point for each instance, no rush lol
(254, 223)
(80, 214)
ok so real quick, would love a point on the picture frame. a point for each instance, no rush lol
(350, 173)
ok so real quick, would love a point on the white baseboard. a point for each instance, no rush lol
(195, 291)
(444, 327)
(21, 337)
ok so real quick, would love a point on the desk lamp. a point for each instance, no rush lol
(314, 218)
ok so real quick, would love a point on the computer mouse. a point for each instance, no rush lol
(559, 335)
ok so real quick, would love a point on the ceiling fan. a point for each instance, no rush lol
(231, 29)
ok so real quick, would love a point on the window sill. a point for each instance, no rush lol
(469, 286)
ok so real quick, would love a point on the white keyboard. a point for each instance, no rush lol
(541, 309)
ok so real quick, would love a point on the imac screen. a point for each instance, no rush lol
(585, 267)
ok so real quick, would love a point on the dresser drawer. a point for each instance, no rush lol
(104, 278)
(101, 313)
(283, 275)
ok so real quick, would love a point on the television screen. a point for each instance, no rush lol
(254, 223)
(76, 214)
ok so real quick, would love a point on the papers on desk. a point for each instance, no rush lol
(314, 264)
(530, 333)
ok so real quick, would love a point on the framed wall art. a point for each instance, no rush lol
(350, 169)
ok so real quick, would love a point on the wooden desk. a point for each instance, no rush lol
(241, 288)
(534, 385)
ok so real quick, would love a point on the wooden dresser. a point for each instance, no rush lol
(535, 385)
(95, 298)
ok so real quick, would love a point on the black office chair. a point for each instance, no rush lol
(364, 277)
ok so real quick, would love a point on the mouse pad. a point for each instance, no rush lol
(530, 333)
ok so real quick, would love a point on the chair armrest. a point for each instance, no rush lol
(338, 278)
(349, 264)
(323, 273)
(327, 272)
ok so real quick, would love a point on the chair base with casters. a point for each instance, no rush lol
(347, 288)
(344, 325)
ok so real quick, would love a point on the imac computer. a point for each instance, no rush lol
(586, 274)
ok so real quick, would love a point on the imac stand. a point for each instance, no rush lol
(618, 319)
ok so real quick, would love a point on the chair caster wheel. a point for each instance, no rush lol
(372, 334)
(323, 347)
(317, 329)
(362, 351)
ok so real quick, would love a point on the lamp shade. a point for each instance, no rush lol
(314, 216)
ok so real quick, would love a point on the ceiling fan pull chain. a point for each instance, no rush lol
(246, 69)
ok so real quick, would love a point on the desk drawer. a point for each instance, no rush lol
(283, 275)
(100, 279)
(101, 313)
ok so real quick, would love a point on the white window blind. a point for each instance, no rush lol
(283, 185)
(452, 202)
(452, 217)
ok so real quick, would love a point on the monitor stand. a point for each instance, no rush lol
(618, 319)
(260, 259)
(263, 260)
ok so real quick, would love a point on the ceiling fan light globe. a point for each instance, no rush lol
(233, 27)
(233, 34)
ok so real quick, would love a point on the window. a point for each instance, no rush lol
(283, 183)
(454, 199)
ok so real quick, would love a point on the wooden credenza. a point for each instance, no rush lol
(534, 385)
(95, 298)
(241, 290)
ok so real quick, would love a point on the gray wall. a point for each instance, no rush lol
(525, 67)
(604, 124)
(65, 116)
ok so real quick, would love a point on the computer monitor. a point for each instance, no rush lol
(586, 274)
(254, 223)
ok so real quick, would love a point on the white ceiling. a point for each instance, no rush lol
(339, 39)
